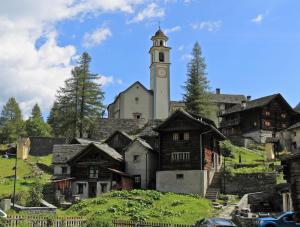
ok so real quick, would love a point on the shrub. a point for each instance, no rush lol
(35, 194)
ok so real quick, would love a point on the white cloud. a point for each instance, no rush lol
(210, 26)
(186, 57)
(171, 30)
(260, 17)
(96, 37)
(150, 12)
(181, 47)
(32, 64)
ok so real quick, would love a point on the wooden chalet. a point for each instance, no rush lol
(258, 119)
(88, 170)
(189, 153)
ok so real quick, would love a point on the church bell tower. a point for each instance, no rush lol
(160, 75)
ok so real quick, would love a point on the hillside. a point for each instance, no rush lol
(141, 205)
(27, 171)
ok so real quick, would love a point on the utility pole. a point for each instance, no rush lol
(15, 179)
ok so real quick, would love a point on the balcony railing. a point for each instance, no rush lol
(230, 122)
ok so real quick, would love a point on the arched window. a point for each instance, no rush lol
(161, 57)
(161, 43)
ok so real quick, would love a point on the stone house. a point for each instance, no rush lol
(141, 162)
(189, 153)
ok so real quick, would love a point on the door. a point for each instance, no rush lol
(137, 181)
(92, 189)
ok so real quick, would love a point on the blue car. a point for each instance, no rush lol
(285, 219)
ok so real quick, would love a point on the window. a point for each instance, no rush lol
(267, 123)
(103, 187)
(179, 176)
(161, 43)
(267, 113)
(156, 143)
(283, 125)
(283, 115)
(255, 123)
(93, 172)
(137, 181)
(161, 57)
(80, 188)
(186, 136)
(137, 115)
(180, 156)
(175, 136)
(181, 136)
(136, 100)
(136, 158)
(64, 170)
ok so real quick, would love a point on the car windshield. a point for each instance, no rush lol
(221, 221)
(281, 215)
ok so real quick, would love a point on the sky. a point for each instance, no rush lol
(251, 47)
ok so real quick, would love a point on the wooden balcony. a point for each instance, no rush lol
(229, 123)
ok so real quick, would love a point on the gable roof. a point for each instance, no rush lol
(260, 102)
(227, 98)
(131, 138)
(81, 141)
(196, 119)
(294, 126)
(122, 92)
(64, 152)
(102, 147)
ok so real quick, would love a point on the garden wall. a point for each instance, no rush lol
(241, 184)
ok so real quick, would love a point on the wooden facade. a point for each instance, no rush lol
(271, 113)
(119, 140)
(187, 143)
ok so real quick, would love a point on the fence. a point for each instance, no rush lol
(147, 224)
(36, 221)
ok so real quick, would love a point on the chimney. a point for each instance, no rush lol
(244, 104)
(218, 91)
(248, 98)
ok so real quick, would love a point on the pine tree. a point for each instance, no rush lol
(11, 122)
(35, 125)
(80, 100)
(197, 95)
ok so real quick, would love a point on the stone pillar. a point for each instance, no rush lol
(5, 204)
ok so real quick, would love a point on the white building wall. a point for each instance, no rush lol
(147, 171)
(57, 169)
(85, 193)
(193, 181)
(129, 105)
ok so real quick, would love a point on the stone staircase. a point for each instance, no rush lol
(213, 189)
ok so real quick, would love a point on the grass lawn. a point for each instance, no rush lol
(25, 173)
(140, 205)
(255, 156)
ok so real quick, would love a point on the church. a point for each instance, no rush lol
(139, 102)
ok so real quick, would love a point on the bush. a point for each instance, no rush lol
(35, 194)
(22, 197)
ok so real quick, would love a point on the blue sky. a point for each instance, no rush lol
(251, 47)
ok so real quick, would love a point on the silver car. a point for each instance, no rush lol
(215, 222)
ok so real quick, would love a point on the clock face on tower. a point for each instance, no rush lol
(162, 72)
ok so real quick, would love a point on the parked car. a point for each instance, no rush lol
(215, 222)
(285, 219)
(2, 214)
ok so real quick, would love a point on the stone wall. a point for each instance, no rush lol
(241, 184)
(40, 146)
(106, 126)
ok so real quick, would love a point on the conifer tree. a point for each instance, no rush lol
(35, 125)
(11, 122)
(197, 95)
(81, 100)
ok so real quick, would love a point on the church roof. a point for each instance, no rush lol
(159, 34)
(122, 92)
